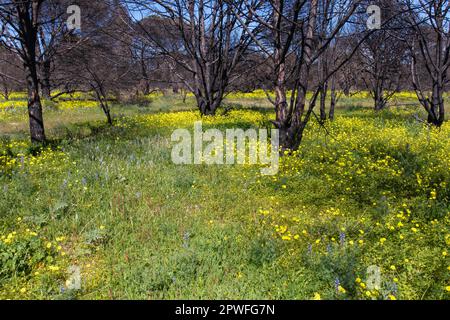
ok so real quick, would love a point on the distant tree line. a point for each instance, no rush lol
(130, 48)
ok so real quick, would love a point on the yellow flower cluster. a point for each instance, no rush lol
(187, 119)
(379, 165)
(261, 94)
(47, 158)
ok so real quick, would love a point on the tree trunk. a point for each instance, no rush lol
(146, 89)
(291, 138)
(323, 89)
(206, 107)
(46, 88)
(28, 21)
(106, 111)
(280, 84)
(294, 134)
(5, 92)
(323, 96)
(280, 103)
(379, 102)
(103, 100)
(37, 131)
(209, 102)
(108, 114)
(332, 99)
(436, 112)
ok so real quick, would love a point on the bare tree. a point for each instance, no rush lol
(145, 54)
(20, 22)
(102, 61)
(157, 70)
(51, 35)
(328, 60)
(295, 33)
(382, 56)
(210, 44)
(338, 53)
(341, 82)
(11, 75)
(430, 22)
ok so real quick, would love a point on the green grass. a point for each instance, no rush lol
(140, 227)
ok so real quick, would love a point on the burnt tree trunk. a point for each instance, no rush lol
(280, 70)
(37, 131)
(434, 106)
(5, 91)
(45, 86)
(146, 82)
(436, 111)
(27, 14)
(208, 105)
(323, 68)
(322, 101)
(102, 99)
(437, 64)
(379, 101)
(106, 110)
(333, 98)
(291, 136)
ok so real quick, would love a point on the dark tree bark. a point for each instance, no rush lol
(381, 56)
(322, 102)
(5, 88)
(46, 86)
(20, 35)
(37, 131)
(28, 15)
(431, 47)
(292, 29)
(333, 98)
(103, 100)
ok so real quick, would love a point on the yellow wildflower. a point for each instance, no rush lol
(317, 296)
(341, 289)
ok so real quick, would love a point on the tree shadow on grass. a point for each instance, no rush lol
(79, 131)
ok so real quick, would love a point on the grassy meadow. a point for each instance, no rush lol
(369, 192)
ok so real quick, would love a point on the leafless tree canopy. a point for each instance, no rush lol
(291, 48)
